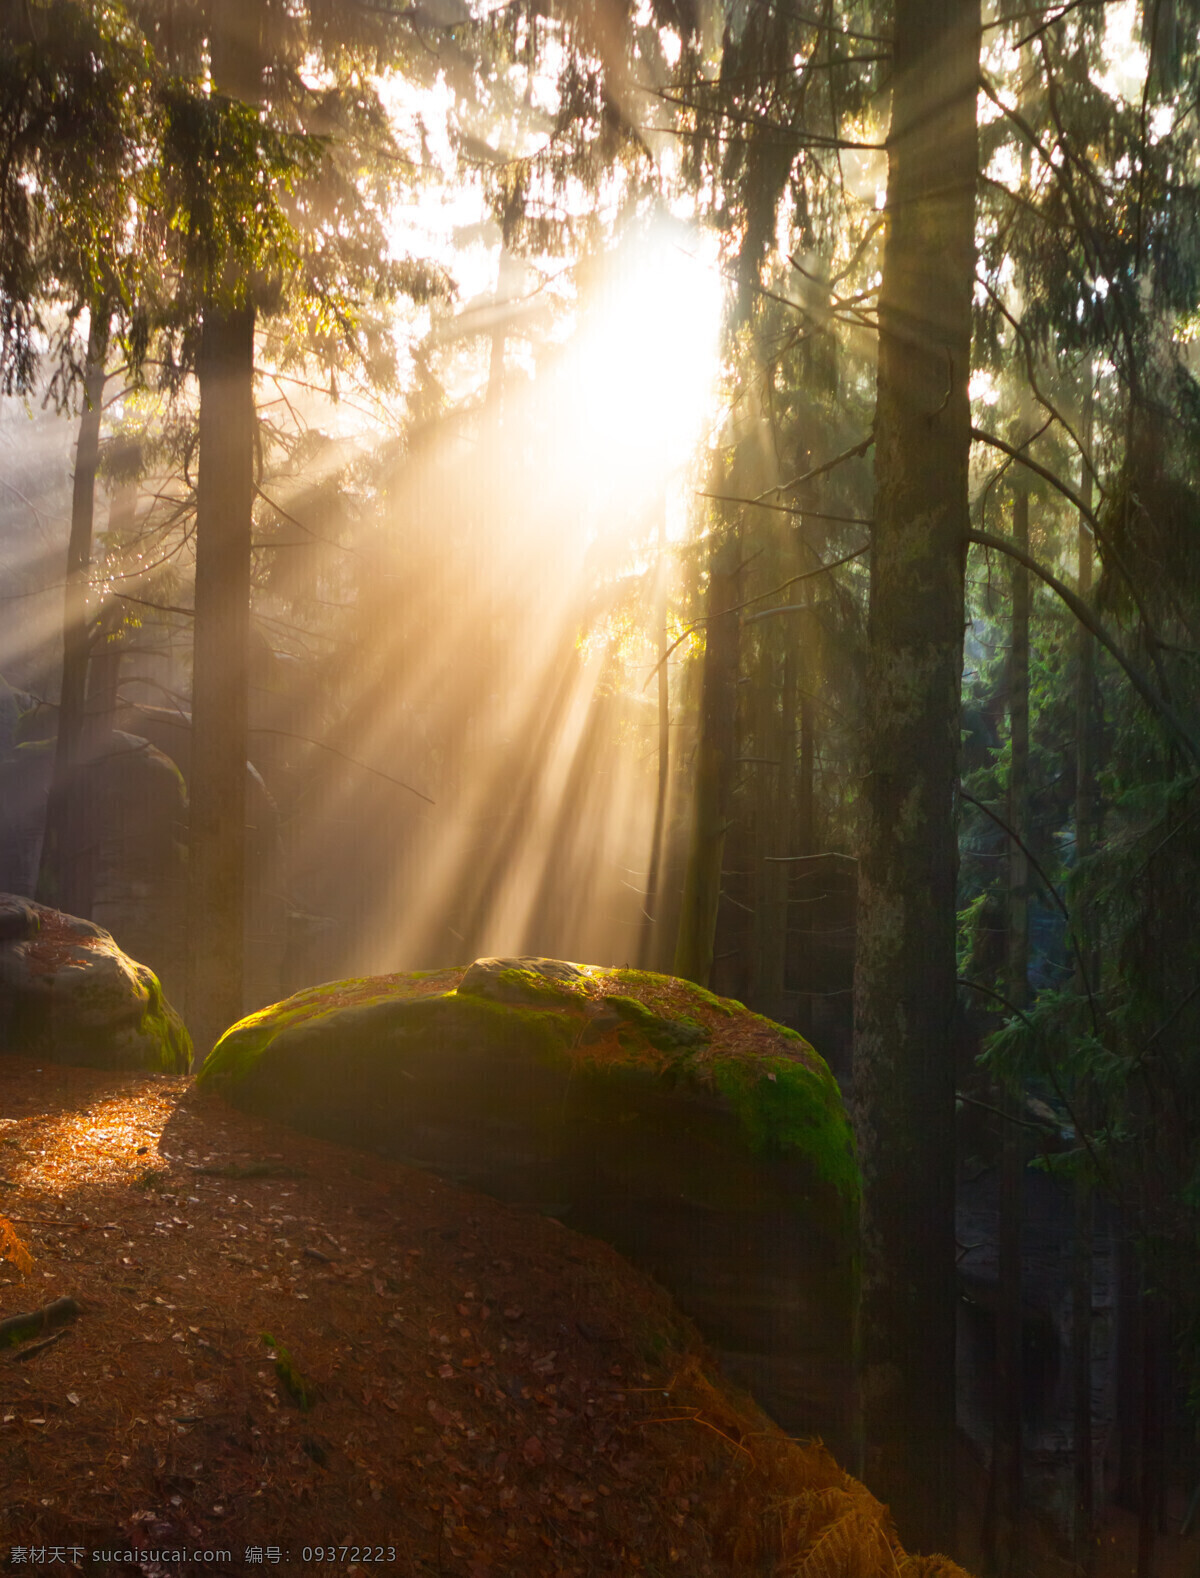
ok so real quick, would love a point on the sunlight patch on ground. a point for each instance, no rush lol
(99, 1145)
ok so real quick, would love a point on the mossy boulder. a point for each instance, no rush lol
(706, 1143)
(68, 994)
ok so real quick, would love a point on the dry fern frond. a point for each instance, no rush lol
(840, 1532)
(11, 1248)
(931, 1567)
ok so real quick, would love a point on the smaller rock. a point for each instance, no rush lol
(69, 994)
(531, 981)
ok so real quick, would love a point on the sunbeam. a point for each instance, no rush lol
(516, 536)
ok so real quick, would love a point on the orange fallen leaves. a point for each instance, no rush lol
(13, 1249)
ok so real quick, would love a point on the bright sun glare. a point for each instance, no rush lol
(647, 359)
(559, 495)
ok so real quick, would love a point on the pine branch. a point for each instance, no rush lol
(1161, 708)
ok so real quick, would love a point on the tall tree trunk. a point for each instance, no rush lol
(774, 821)
(1007, 1444)
(216, 908)
(220, 665)
(66, 872)
(1084, 1205)
(108, 641)
(508, 275)
(715, 751)
(805, 841)
(649, 938)
(905, 960)
(1152, 1429)
(1130, 1314)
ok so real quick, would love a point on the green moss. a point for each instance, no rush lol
(240, 1048)
(667, 1035)
(517, 985)
(539, 988)
(553, 1032)
(30, 735)
(165, 1030)
(238, 1051)
(281, 1057)
(301, 1391)
(786, 1107)
(296, 1041)
(786, 1031)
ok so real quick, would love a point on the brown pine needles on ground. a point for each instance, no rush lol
(469, 1387)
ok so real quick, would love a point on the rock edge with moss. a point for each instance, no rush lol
(69, 994)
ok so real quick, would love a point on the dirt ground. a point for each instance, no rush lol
(451, 1387)
(292, 1354)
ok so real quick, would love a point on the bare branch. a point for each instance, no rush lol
(304, 739)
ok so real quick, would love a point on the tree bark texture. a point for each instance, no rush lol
(67, 868)
(715, 752)
(220, 667)
(905, 958)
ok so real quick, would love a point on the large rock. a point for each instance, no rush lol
(707, 1144)
(68, 994)
(133, 783)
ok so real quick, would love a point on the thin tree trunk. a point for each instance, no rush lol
(104, 667)
(66, 872)
(1084, 1205)
(567, 850)
(778, 744)
(805, 841)
(715, 753)
(905, 1001)
(217, 787)
(1152, 1429)
(482, 902)
(508, 273)
(1129, 1350)
(649, 942)
(1007, 1453)
(766, 967)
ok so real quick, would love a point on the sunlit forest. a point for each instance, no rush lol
(704, 489)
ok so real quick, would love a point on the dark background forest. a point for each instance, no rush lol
(711, 487)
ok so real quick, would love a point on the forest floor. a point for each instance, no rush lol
(298, 1354)
(474, 1391)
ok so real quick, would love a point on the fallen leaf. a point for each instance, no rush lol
(533, 1452)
